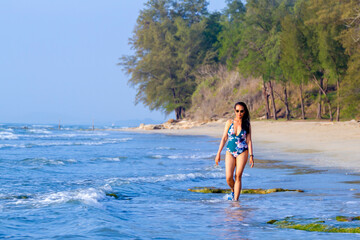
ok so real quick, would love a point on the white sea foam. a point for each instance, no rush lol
(46, 161)
(88, 143)
(192, 156)
(41, 126)
(12, 146)
(215, 200)
(165, 148)
(7, 136)
(65, 143)
(170, 177)
(37, 130)
(68, 135)
(89, 196)
(208, 168)
(116, 159)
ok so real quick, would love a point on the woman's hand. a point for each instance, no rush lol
(251, 162)
(217, 159)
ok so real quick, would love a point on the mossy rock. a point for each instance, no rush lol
(118, 196)
(209, 190)
(22, 197)
(244, 191)
(16, 197)
(347, 219)
(112, 195)
(317, 226)
(267, 191)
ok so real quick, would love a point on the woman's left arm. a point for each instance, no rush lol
(250, 147)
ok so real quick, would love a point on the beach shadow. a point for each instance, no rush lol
(303, 151)
(275, 164)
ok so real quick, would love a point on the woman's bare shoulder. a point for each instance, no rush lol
(229, 121)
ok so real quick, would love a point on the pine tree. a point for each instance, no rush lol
(169, 44)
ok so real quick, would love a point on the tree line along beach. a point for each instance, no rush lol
(295, 59)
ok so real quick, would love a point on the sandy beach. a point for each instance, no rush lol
(333, 144)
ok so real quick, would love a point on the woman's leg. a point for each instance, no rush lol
(229, 168)
(240, 165)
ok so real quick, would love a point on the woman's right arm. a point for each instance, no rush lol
(223, 141)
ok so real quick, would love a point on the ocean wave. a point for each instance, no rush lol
(37, 130)
(46, 161)
(192, 156)
(156, 156)
(67, 135)
(170, 177)
(181, 156)
(90, 196)
(116, 159)
(62, 143)
(8, 136)
(42, 126)
(12, 146)
(208, 168)
(165, 148)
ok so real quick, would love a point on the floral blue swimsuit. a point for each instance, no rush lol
(236, 144)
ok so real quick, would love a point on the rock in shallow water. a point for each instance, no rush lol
(243, 191)
(347, 219)
(317, 226)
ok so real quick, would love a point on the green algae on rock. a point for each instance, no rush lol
(112, 195)
(16, 197)
(118, 196)
(317, 226)
(209, 190)
(347, 219)
(244, 191)
(267, 191)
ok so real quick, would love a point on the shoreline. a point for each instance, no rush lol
(338, 143)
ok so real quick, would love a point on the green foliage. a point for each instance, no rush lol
(171, 39)
(350, 38)
(294, 50)
(230, 37)
(351, 87)
(302, 42)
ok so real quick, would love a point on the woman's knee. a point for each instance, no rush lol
(238, 177)
(229, 179)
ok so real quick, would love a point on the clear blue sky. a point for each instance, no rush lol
(58, 61)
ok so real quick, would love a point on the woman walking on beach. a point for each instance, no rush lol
(238, 132)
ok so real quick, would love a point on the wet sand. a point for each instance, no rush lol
(333, 144)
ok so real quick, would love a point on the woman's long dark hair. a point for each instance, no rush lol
(245, 123)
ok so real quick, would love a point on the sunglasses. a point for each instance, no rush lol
(242, 111)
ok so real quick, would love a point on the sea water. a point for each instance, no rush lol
(81, 184)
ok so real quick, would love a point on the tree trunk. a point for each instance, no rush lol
(180, 113)
(318, 116)
(286, 104)
(302, 102)
(266, 98)
(338, 100)
(330, 113)
(272, 100)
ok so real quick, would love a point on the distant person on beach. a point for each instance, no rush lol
(238, 132)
